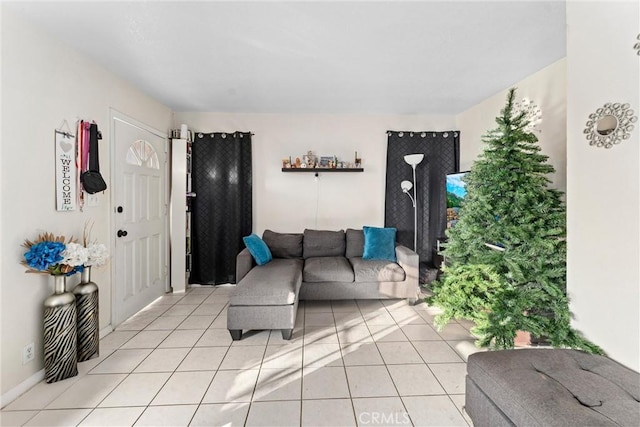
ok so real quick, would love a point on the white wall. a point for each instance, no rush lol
(547, 89)
(603, 193)
(291, 202)
(44, 82)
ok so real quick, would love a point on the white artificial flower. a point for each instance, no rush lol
(74, 255)
(98, 255)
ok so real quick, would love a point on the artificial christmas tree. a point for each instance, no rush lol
(506, 256)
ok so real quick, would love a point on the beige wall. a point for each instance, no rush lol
(603, 192)
(43, 83)
(291, 202)
(547, 89)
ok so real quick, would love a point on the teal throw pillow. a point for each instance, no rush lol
(379, 243)
(258, 249)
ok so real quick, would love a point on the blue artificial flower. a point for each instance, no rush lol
(43, 255)
(76, 269)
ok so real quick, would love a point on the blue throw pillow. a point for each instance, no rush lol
(379, 243)
(258, 249)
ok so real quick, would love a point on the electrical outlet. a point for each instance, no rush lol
(28, 353)
(92, 200)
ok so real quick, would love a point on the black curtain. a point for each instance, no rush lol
(222, 210)
(441, 156)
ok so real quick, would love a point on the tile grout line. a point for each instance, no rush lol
(304, 340)
(304, 321)
(389, 372)
(199, 405)
(171, 373)
(456, 406)
(436, 377)
(177, 366)
(412, 345)
(255, 386)
(138, 365)
(344, 367)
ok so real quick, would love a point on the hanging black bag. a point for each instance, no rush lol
(92, 181)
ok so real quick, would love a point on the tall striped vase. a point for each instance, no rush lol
(88, 317)
(60, 336)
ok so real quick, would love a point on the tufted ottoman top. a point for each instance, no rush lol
(556, 387)
(275, 283)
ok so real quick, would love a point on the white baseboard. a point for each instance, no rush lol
(34, 379)
(105, 331)
(21, 388)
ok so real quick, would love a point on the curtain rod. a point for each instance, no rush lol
(201, 134)
(422, 134)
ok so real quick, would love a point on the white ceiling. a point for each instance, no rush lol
(433, 57)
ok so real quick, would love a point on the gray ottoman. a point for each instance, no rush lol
(550, 387)
(266, 298)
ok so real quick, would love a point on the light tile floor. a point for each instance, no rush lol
(349, 363)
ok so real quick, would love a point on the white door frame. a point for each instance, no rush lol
(113, 116)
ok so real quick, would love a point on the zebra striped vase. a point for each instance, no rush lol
(88, 317)
(60, 336)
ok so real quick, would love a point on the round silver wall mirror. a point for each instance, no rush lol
(609, 125)
(606, 125)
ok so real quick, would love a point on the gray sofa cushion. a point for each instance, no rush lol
(283, 245)
(562, 387)
(327, 269)
(275, 283)
(319, 243)
(369, 270)
(355, 243)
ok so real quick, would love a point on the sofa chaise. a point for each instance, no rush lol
(314, 265)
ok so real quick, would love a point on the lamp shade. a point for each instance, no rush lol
(406, 186)
(413, 159)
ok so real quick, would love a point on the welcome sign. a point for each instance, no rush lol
(65, 172)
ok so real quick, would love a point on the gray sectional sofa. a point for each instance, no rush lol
(314, 265)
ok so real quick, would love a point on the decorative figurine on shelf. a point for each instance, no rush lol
(358, 161)
(309, 159)
(286, 163)
(298, 162)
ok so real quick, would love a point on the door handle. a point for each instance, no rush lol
(122, 233)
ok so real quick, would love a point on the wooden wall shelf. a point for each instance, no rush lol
(322, 170)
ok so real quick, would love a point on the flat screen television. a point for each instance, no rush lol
(456, 192)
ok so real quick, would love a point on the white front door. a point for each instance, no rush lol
(140, 218)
